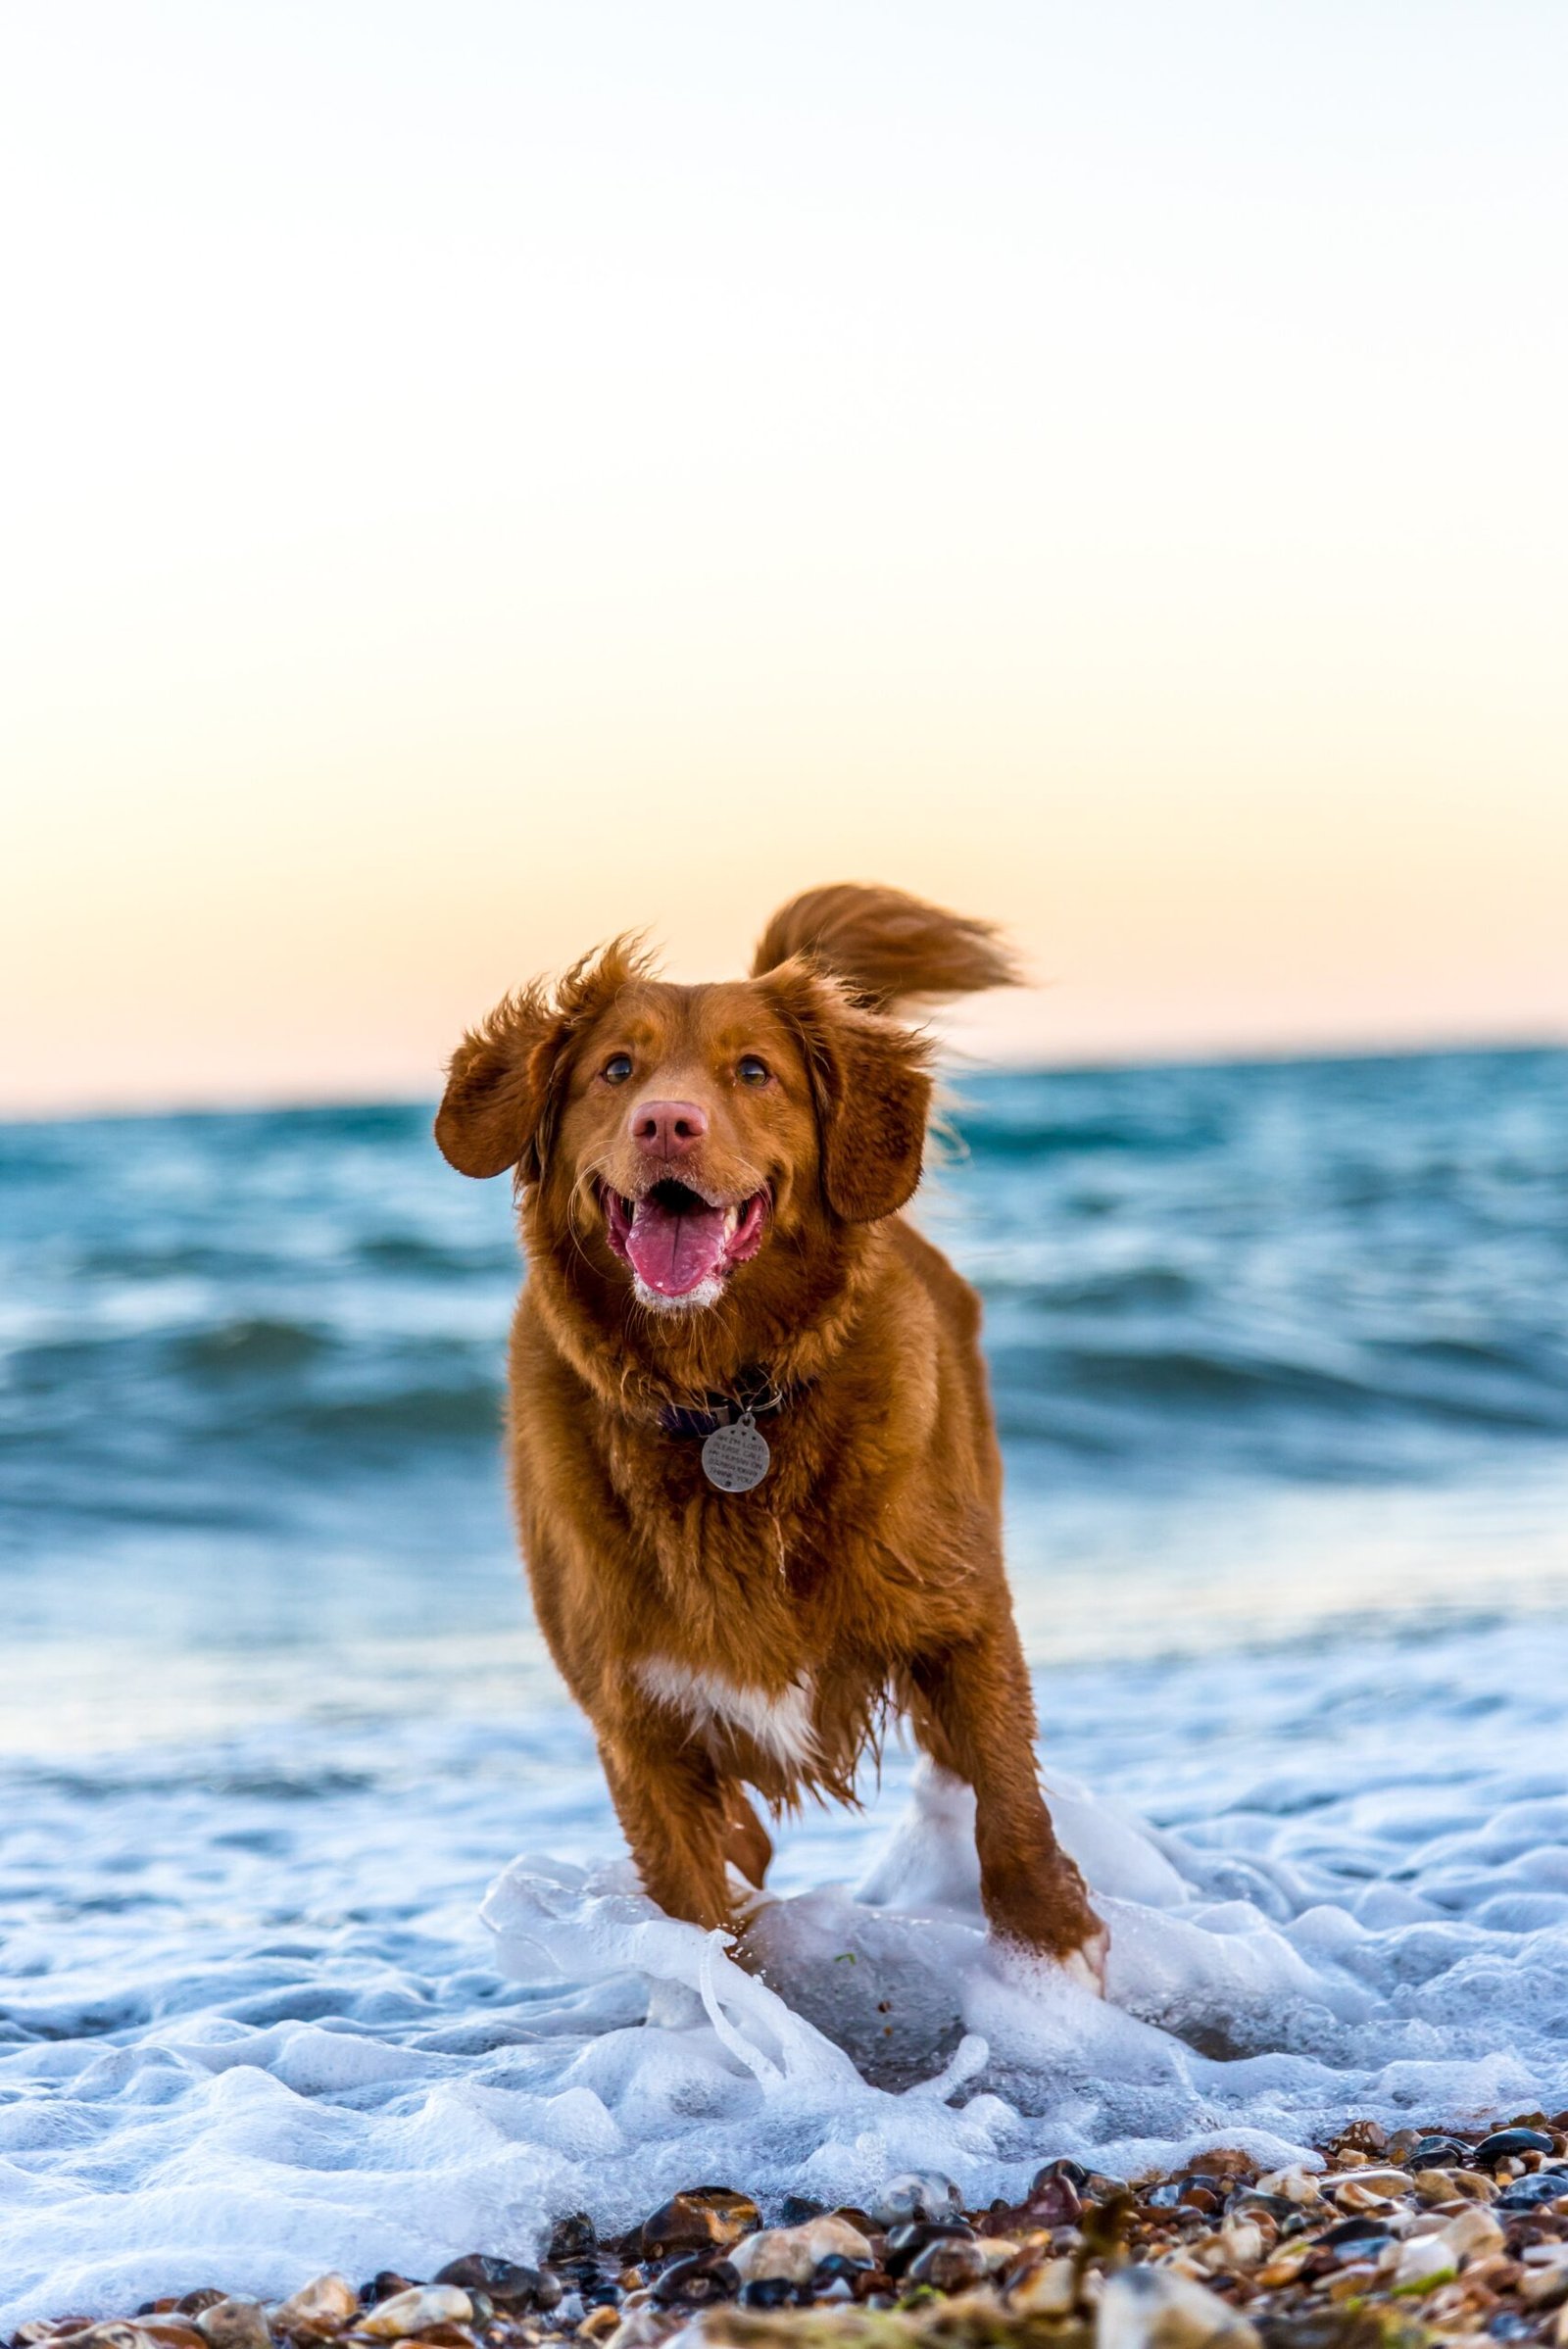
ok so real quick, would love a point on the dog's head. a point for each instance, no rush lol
(687, 1141)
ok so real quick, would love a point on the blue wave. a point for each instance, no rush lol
(1301, 1269)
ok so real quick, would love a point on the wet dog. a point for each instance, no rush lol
(755, 1469)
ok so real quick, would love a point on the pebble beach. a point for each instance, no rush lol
(1400, 2239)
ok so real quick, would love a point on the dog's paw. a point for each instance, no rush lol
(1037, 1962)
(1086, 1964)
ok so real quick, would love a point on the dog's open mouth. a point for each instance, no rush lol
(676, 1241)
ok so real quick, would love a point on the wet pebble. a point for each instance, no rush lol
(318, 2309)
(1507, 2144)
(1435, 2153)
(1151, 2308)
(916, 2194)
(1533, 2188)
(708, 2217)
(951, 2264)
(235, 2324)
(768, 2291)
(794, 2253)
(571, 2237)
(906, 2243)
(415, 2310)
(504, 2282)
(692, 2282)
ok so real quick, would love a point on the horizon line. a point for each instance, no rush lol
(953, 1063)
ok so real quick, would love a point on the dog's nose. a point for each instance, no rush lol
(667, 1129)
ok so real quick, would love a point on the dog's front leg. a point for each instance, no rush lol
(974, 1715)
(678, 1816)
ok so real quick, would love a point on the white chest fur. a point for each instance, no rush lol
(779, 1725)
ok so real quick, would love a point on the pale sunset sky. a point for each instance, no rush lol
(481, 476)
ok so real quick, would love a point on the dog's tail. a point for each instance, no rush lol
(888, 949)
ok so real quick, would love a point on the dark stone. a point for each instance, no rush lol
(836, 2269)
(1321, 2329)
(949, 2265)
(1198, 2194)
(1506, 2144)
(1364, 2225)
(386, 2284)
(571, 2238)
(1361, 2237)
(694, 2282)
(1360, 2246)
(906, 2243)
(1278, 2206)
(1053, 2199)
(796, 2209)
(476, 2269)
(707, 2218)
(1074, 2172)
(586, 2274)
(504, 2280)
(768, 2291)
(1436, 2153)
(1537, 2187)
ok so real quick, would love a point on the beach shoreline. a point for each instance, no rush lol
(1406, 2236)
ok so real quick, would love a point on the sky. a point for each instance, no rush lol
(482, 476)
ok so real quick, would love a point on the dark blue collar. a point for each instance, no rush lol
(754, 1392)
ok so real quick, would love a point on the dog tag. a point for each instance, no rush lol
(735, 1458)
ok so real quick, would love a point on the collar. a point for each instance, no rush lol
(754, 1391)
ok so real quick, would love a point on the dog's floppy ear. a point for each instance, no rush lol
(872, 1084)
(503, 1080)
(498, 1083)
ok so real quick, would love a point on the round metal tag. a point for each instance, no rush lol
(735, 1458)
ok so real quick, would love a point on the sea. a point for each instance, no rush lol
(318, 1944)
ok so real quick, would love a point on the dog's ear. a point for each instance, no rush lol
(872, 1085)
(504, 1081)
(498, 1085)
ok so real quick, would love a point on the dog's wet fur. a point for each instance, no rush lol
(710, 1180)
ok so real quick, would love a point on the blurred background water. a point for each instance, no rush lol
(1279, 1357)
(1271, 1345)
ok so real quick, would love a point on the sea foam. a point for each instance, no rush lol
(266, 2032)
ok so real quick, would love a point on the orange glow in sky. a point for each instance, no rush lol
(485, 477)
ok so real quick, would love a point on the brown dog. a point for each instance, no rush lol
(718, 1275)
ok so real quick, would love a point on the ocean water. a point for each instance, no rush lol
(317, 1941)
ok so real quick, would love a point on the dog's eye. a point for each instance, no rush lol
(618, 1068)
(751, 1070)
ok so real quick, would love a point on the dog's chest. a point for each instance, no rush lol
(778, 1722)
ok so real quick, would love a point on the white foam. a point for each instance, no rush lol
(257, 2030)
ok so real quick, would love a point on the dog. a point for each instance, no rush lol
(753, 1459)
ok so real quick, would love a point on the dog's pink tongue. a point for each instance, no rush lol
(673, 1252)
